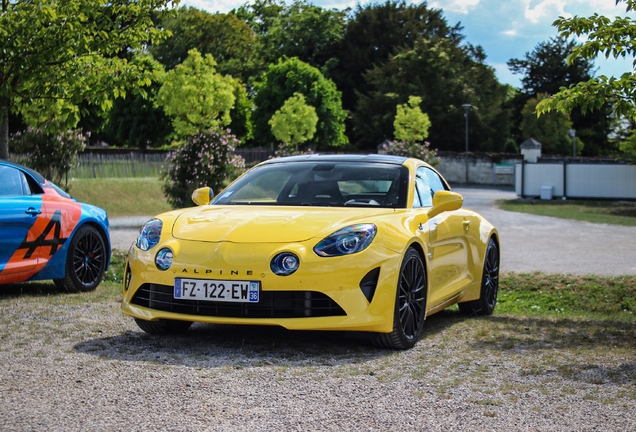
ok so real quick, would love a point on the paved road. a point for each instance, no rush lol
(528, 243)
(538, 243)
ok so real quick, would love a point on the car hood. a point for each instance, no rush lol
(265, 224)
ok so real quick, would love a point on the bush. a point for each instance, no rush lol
(290, 150)
(414, 150)
(51, 155)
(205, 159)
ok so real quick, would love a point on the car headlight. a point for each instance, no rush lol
(284, 264)
(149, 234)
(164, 258)
(349, 240)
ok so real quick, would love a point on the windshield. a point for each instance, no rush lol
(332, 184)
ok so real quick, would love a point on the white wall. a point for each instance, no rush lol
(582, 180)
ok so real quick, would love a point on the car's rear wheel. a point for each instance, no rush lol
(410, 305)
(85, 262)
(163, 326)
(487, 300)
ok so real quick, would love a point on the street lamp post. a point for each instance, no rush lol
(466, 108)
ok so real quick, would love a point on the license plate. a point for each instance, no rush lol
(217, 290)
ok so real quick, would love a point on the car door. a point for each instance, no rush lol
(447, 245)
(19, 209)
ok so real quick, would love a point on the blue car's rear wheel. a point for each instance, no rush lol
(85, 262)
(410, 305)
(487, 300)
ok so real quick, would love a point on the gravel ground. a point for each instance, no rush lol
(75, 363)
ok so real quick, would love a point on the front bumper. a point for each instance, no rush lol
(353, 292)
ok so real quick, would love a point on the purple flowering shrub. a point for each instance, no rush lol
(53, 155)
(421, 151)
(205, 159)
(290, 150)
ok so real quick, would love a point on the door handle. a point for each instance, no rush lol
(33, 211)
(466, 225)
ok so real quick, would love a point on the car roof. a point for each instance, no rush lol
(352, 158)
(36, 175)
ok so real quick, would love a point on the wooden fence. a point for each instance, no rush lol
(135, 164)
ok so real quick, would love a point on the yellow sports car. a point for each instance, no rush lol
(370, 243)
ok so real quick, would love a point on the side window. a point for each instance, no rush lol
(12, 182)
(434, 181)
(427, 182)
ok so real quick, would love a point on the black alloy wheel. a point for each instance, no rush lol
(410, 304)
(487, 301)
(85, 262)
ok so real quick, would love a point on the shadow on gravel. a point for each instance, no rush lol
(579, 350)
(30, 289)
(207, 345)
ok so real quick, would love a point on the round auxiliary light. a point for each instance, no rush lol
(163, 259)
(285, 264)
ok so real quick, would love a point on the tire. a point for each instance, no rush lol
(163, 327)
(485, 304)
(85, 262)
(410, 305)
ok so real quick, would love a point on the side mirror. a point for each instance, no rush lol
(444, 200)
(202, 195)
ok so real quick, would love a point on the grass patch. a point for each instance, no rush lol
(541, 294)
(595, 211)
(122, 196)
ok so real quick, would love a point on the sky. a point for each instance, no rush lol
(506, 29)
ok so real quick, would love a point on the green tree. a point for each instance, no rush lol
(295, 123)
(376, 31)
(604, 36)
(195, 96)
(227, 38)
(54, 55)
(283, 80)
(445, 76)
(546, 70)
(135, 121)
(550, 130)
(305, 31)
(411, 124)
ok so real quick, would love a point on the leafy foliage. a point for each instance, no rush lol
(551, 130)
(224, 36)
(604, 36)
(411, 124)
(195, 96)
(420, 151)
(445, 76)
(205, 159)
(283, 80)
(71, 51)
(376, 31)
(305, 31)
(53, 156)
(295, 122)
(546, 70)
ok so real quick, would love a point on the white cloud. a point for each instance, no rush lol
(545, 10)
(458, 6)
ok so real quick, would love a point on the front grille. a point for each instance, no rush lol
(272, 304)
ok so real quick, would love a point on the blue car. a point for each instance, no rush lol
(47, 234)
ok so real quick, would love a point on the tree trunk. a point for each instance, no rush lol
(4, 128)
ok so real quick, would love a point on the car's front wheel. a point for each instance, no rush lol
(85, 262)
(487, 300)
(163, 327)
(410, 305)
